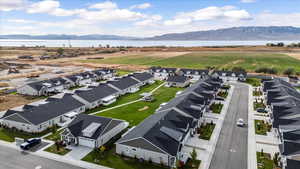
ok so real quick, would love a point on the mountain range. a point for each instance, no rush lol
(228, 34)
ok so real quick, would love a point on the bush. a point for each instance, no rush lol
(267, 70)
(289, 71)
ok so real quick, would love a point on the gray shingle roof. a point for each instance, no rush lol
(124, 82)
(177, 79)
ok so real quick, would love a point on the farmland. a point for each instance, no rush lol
(221, 60)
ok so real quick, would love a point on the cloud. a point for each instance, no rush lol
(104, 5)
(248, 1)
(9, 5)
(209, 13)
(151, 21)
(51, 7)
(141, 6)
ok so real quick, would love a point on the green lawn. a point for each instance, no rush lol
(128, 97)
(61, 151)
(257, 93)
(216, 107)
(253, 81)
(137, 112)
(55, 136)
(10, 135)
(264, 161)
(261, 127)
(206, 131)
(227, 60)
(223, 94)
(75, 87)
(121, 72)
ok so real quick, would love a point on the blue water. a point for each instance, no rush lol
(96, 43)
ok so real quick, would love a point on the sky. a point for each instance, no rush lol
(141, 18)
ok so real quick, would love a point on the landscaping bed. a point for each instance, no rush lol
(257, 93)
(253, 81)
(259, 105)
(264, 161)
(206, 130)
(262, 127)
(59, 151)
(216, 107)
(223, 94)
(54, 136)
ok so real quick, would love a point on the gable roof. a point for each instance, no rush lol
(142, 76)
(177, 79)
(124, 82)
(82, 121)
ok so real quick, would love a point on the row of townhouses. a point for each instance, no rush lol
(284, 102)
(194, 75)
(62, 108)
(58, 84)
(162, 136)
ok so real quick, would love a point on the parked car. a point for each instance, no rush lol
(261, 110)
(30, 143)
(240, 123)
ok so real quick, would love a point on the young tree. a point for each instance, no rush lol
(193, 156)
(60, 51)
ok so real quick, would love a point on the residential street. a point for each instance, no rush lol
(14, 159)
(231, 149)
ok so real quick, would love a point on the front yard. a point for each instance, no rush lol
(254, 82)
(136, 112)
(216, 107)
(258, 105)
(262, 127)
(206, 130)
(223, 94)
(264, 161)
(257, 93)
(9, 135)
(60, 151)
(128, 97)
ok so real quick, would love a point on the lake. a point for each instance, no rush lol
(137, 43)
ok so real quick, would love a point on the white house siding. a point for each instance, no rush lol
(107, 136)
(85, 82)
(142, 153)
(27, 90)
(20, 126)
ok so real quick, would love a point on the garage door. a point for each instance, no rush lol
(87, 142)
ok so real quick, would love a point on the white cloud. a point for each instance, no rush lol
(151, 21)
(9, 5)
(104, 5)
(248, 1)
(51, 7)
(209, 13)
(141, 6)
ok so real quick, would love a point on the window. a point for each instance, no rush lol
(133, 149)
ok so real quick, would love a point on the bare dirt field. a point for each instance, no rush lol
(14, 100)
(294, 55)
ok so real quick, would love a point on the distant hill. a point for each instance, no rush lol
(237, 33)
(67, 37)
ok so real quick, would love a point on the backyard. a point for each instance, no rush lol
(262, 127)
(136, 112)
(128, 97)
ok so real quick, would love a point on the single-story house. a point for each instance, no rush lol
(194, 74)
(92, 97)
(104, 74)
(38, 117)
(143, 77)
(92, 131)
(125, 84)
(178, 81)
(230, 75)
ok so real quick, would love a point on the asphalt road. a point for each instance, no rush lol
(14, 159)
(231, 148)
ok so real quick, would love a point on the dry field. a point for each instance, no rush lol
(14, 100)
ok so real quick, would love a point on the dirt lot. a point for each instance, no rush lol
(14, 100)
(294, 55)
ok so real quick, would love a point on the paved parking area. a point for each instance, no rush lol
(39, 146)
(78, 152)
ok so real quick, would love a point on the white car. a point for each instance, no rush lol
(240, 123)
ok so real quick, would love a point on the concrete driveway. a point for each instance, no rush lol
(78, 152)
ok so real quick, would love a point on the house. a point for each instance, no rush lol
(178, 81)
(92, 97)
(194, 74)
(143, 77)
(44, 87)
(125, 84)
(92, 131)
(104, 74)
(159, 138)
(230, 75)
(160, 73)
(39, 116)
